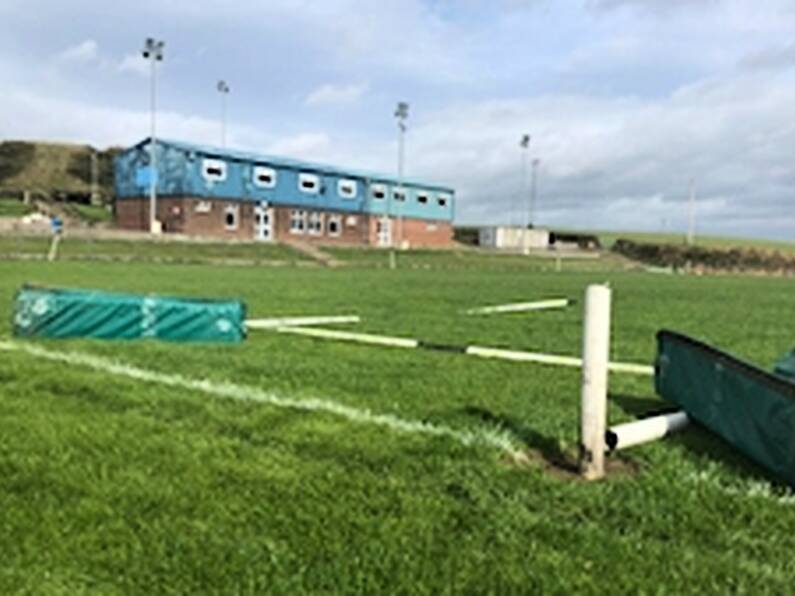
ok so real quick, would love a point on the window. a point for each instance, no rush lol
(316, 223)
(309, 183)
(422, 198)
(231, 213)
(443, 200)
(351, 221)
(347, 189)
(264, 177)
(431, 227)
(334, 225)
(214, 170)
(378, 191)
(297, 221)
(203, 207)
(399, 194)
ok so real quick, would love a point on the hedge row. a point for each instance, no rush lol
(680, 256)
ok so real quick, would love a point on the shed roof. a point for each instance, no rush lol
(247, 156)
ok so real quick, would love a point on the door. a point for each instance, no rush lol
(383, 230)
(263, 222)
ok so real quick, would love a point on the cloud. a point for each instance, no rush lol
(86, 51)
(134, 63)
(771, 58)
(312, 145)
(336, 95)
(654, 6)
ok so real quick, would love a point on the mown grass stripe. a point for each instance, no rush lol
(486, 437)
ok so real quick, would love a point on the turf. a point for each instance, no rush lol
(110, 485)
(14, 208)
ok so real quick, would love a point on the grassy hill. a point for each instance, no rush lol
(54, 170)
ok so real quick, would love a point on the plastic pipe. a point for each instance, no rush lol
(596, 352)
(520, 307)
(645, 431)
(298, 322)
(365, 338)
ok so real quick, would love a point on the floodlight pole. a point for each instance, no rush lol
(402, 114)
(524, 144)
(533, 192)
(223, 89)
(153, 51)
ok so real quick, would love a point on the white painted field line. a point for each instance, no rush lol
(520, 307)
(273, 323)
(485, 437)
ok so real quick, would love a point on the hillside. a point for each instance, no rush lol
(57, 171)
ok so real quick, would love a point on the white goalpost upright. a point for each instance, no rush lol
(595, 358)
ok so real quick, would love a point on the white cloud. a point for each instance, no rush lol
(86, 51)
(336, 95)
(134, 63)
(311, 145)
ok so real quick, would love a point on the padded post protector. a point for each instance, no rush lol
(753, 410)
(59, 313)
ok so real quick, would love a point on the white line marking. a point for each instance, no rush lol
(364, 338)
(486, 437)
(274, 323)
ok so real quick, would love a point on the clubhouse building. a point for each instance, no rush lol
(222, 193)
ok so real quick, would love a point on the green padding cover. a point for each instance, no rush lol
(55, 313)
(750, 408)
(786, 366)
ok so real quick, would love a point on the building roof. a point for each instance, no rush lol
(247, 156)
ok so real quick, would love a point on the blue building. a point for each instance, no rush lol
(225, 193)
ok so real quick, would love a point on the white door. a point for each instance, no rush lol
(263, 223)
(383, 230)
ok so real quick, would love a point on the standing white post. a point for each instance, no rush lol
(596, 353)
(223, 90)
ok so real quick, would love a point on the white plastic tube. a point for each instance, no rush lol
(520, 307)
(596, 353)
(299, 322)
(364, 338)
(645, 431)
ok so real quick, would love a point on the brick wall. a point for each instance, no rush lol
(199, 217)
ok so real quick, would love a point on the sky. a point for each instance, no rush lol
(626, 100)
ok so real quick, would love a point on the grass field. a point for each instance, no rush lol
(186, 252)
(115, 485)
(14, 208)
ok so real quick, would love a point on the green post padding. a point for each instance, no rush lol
(750, 408)
(786, 366)
(59, 313)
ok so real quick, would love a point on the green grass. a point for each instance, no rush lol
(92, 214)
(186, 252)
(14, 208)
(109, 485)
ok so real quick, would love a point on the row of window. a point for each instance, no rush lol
(214, 170)
(314, 223)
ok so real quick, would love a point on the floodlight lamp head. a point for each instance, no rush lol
(525, 142)
(402, 111)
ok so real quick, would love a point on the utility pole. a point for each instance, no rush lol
(533, 192)
(691, 215)
(153, 51)
(223, 89)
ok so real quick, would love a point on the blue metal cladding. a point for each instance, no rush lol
(182, 171)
